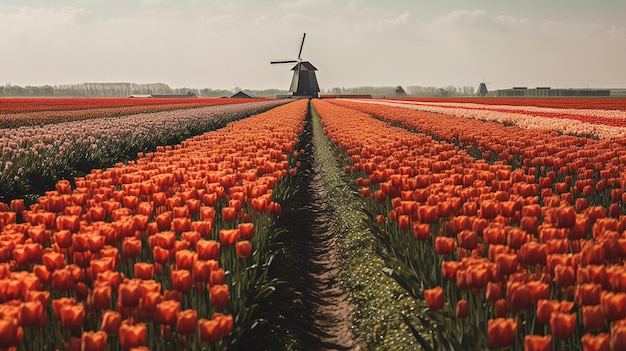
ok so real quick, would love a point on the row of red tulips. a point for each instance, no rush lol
(572, 103)
(34, 157)
(165, 252)
(17, 112)
(614, 118)
(604, 124)
(526, 257)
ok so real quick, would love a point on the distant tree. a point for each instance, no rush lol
(400, 91)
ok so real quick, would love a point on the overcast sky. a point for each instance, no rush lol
(223, 44)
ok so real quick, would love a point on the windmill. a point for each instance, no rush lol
(482, 89)
(303, 82)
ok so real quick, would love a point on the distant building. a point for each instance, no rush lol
(549, 92)
(241, 95)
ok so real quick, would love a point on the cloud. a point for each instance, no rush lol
(477, 20)
(401, 20)
(303, 4)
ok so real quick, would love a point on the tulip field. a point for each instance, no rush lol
(128, 224)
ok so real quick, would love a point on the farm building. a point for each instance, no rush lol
(547, 91)
(241, 94)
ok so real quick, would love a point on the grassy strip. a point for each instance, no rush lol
(379, 302)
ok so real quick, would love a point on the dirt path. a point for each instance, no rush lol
(327, 320)
(334, 295)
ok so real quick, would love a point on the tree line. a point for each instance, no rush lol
(127, 89)
(97, 90)
(411, 90)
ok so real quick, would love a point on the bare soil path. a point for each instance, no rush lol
(335, 295)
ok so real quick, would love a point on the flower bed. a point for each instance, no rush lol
(522, 255)
(16, 112)
(603, 124)
(35, 157)
(166, 252)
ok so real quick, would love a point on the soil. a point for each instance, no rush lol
(334, 294)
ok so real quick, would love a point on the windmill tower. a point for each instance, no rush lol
(482, 89)
(304, 81)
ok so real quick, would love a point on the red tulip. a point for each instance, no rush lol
(421, 231)
(63, 238)
(246, 230)
(53, 260)
(467, 239)
(529, 224)
(111, 321)
(562, 324)
(243, 249)
(185, 259)
(144, 270)
(519, 295)
(445, 245)
(434, 298)
(618, 336)
(192, 237)
(229, 214)
(208, 329)
(11, 333)
(68, 222)
(32, 314)
(167, 312)
(537, 343)
(133, 335)
(62, 280)
(72, 316)
(91, 340)
(181, 280)
(501, 332)
(599, 342)
(181, 225)
(187, 321)
(564, 275)
(220, 295)
(489, 209)
(428, 214)
(228, 237)
(476, 277)
(201, 271)
(150, 300)
(613, 305)
(101, 296)
(565, 216)
(506, 264)
(462, 309)
(131, 247)
(449, 269)
(588, 294)
(593, 318)
(208, 249)
(224, 322)
(164, 221)
(161, 255)
(129, 294)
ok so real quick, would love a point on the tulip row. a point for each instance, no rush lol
(34, 157)
(559, 103)
(165, 252)
(16, 112)
(524, 255)
(598, 123)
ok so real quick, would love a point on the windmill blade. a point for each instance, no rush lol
(301, 45)
(286, 61)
